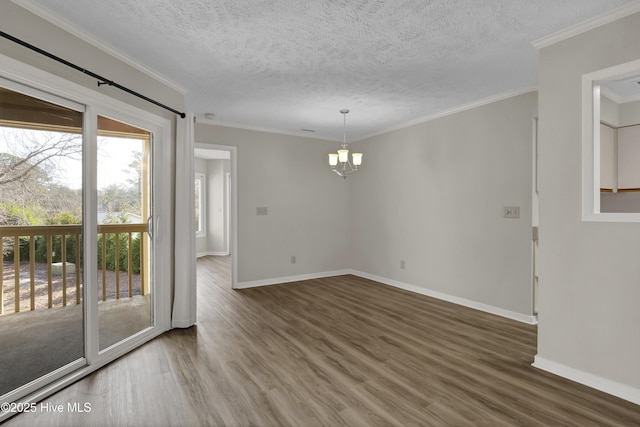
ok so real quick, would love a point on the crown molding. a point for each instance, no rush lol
(65, 25)
(611, 95)
(454, 110)
(234, 125)
(589, 24)
(419, 120)
(617, 98)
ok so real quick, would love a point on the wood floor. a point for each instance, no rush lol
(342, 351)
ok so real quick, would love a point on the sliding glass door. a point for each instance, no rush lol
(41, 228)
(124, 176)
(79, 224)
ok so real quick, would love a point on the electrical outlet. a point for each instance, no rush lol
(511, 212)
(293, 259)
(402, 264)
(262, 210)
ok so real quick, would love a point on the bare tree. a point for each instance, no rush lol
(31, 161)
(28, 152)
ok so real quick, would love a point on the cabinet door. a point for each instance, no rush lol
(608, 167)
(629, 158)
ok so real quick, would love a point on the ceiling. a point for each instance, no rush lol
(622, 90)
(209, 154)
(289, 65)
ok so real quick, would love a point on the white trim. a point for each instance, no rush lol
(234, 125)
(589, 24)
(64, 24)
(455, 110)
(623, 391)
(289, 279)
(531, 320)
(591, 143)
(617, 98)
(202, 204)
(233, 217)
(98, 103)
(212, 253)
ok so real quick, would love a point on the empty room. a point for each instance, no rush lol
(296, 213)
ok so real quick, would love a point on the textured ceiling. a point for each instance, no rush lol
(293, 64)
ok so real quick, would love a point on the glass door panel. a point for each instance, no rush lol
(124, 244)
(41, 230)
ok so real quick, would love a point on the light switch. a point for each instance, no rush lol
(261, 210)
(511, 212)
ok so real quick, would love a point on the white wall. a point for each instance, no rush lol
(215, 240)
(308, 206)
(609, 112)
(590, 274)
(619, 115)
(630, 113)
(202, 243)
(433, 195)
(216, 205)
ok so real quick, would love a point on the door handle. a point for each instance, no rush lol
(150, 227)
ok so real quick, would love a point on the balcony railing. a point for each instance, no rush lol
(39, 282)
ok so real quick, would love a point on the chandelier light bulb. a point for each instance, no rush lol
(357, 159)
(343, 156)
(345, 167)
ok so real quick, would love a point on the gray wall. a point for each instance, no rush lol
(432, 195)
(308, 207)
(589, 283)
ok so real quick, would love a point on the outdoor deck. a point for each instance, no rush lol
(41, 324)
(41, 341)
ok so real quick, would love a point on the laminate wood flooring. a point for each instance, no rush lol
(340, 351)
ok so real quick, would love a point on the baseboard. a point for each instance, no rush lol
(288, 279)
(531, 320)
(613, 388)
(201, 254)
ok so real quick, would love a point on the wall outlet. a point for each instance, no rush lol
(262, 210)
(402, 264)
(511, 212)
(293, 259)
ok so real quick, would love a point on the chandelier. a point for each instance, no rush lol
(339, 161)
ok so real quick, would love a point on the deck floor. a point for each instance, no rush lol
(34, 343)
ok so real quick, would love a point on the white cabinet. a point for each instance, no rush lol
(608, 166)
(629, 158)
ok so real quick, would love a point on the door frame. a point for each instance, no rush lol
(233, 205)
(161, 243)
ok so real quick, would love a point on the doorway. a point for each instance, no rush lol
(218, 164)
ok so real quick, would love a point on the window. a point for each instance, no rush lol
(199, 186)
(611, 125)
